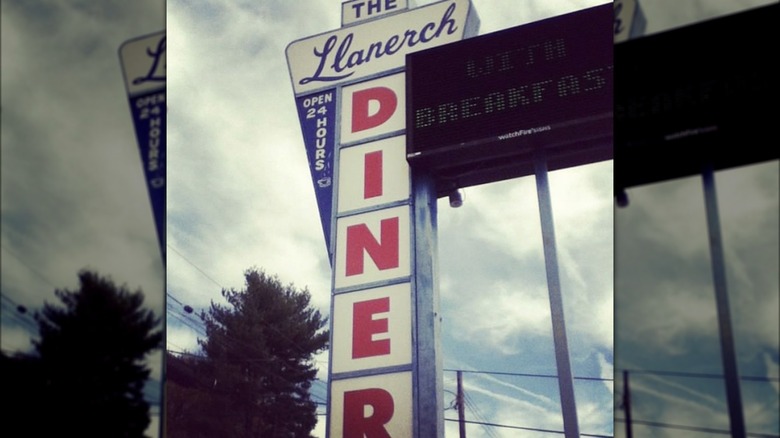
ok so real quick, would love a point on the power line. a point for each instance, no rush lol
(273, 374)
(194, 266)
(473, 407)
(26, 321)
(23, 323)
(551, 376)
(692, 428)
(185, 318)
(33, 270)
(533, 429)
(186, 321)
(266, 325)
(180, 351)
(700, 375)
(469, 402)
(174, 298)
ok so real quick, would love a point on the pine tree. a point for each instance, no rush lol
(260, 365)
(91, 354)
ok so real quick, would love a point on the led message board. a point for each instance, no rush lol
(705, 94)
(480, 109)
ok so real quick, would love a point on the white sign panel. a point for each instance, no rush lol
(360, 10)
(376, 46)
(373, 174)
(372, 328)
(376, 406)
(143, 61)
(372, 247)
(373, 108)
(629, 20)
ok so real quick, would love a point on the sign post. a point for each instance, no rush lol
(571, 427)
(729, 354)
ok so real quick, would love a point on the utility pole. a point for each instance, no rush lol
(461, 409)
(627, 404)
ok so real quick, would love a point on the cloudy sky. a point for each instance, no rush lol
(240, 195)
(73, 190)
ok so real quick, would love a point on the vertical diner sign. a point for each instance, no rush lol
(144, 68)
(349, 87)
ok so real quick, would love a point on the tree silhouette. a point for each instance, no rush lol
(192, 402)
(89, 362)
(258, 367)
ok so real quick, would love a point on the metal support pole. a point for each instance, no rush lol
(428, 383)
(565, 379)
(733, 395)
(627, 404)
(461, 407)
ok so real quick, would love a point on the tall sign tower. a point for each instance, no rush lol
(378, 217)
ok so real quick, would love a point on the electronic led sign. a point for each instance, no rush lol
(704, 94)
(479, 110)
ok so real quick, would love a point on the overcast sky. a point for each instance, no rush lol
(73, 190)
(240, 195)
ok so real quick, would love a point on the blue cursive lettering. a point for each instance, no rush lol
(345, 58)
(156, 56)
(323, 55)
(618, 23)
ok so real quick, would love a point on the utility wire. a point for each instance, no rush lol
(179, 351)
(700, 375)
(692, 428)
(187, 318)
(469, 402)
(320, 397)
(282, 335)
(25, 320)
(473, 407)
(533, 429)
(551, 376)
(194, 266)
(184, 320)
(33, 270)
